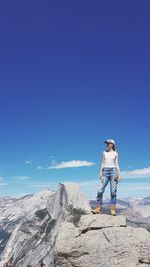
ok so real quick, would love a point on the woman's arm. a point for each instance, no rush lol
(117, 166)
(102, 166)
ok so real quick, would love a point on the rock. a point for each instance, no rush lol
(25, 222)
(41, 227)
(91, 222)
(101, 240)
(30, 224)
(69, 194)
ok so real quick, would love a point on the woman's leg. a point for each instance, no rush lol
(104, 182)
(113, 186)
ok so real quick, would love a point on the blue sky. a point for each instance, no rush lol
(71, 75)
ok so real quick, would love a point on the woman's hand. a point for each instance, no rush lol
(119, 175)
(117, 164)
(100, 175)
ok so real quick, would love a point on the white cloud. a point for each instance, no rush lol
(134, 187)
(40, 168)
(71, 164)
(138, 173)
(3, 184)
(30, 161)
(21, 177)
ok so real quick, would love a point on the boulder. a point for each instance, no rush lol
(91, 222)
(101, 240)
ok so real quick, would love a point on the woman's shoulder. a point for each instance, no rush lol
(103, 153)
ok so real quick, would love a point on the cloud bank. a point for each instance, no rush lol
(21, 177)
(71, 164)
(138, 173)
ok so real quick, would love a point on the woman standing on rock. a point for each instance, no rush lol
(110, 172)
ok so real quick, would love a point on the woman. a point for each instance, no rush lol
(110, 172)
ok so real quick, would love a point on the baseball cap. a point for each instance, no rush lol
(110, 141)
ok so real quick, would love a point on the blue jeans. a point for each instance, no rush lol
(108, 175)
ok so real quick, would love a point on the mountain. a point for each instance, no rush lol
(23, 223)
(59, 229)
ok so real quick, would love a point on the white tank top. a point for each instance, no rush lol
(109, 159)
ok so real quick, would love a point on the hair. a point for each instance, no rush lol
(114, 147)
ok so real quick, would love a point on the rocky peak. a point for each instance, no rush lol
(69, 194)
(59, 229)
(102, 240)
